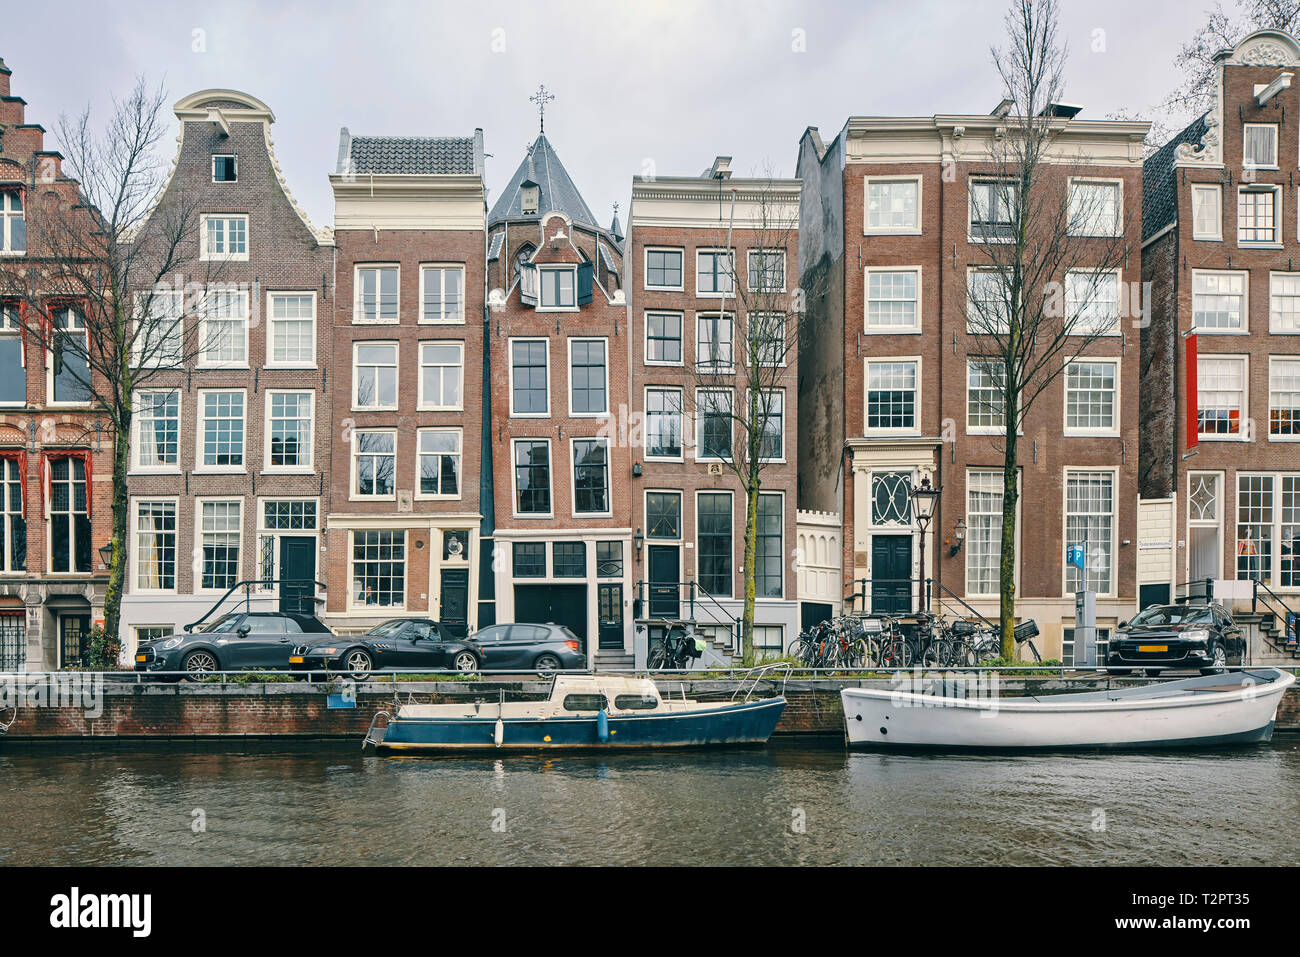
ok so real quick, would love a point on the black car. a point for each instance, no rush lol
(259, 640)
(529, 647)
(1200, 636)
(417, 644)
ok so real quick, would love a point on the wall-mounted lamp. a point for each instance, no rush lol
(638, 540)
(636, 469)
(106, 554)
(958, 537)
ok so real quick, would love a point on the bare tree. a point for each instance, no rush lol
(101, 290)
(1045, 281)
(745, 353)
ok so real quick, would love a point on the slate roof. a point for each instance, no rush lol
(1159, 189)
(405, 154)
(542, 166)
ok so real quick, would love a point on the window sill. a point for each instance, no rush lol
(901, 331)
(221, 367)
(374, 408)
(1072, 434)
(868, 231)
(655, 459)
(146, 472)
(529, 415)
(292, 365)
(299, 470)
(649, 288)
(219, 471)
(440, 408)
(1266, 245)
(664, 363)
(441, 322)
(1222, 438)
(533, 517)
(558, 309)
(376, 322)
(438, 498)
(1284, 438)
(1220, 332)
(1207, 239)
(372, 498)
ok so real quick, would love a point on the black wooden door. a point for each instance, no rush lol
(559, 604)
(454, 601)
(665, 574)
(297, 574)
(891, 574)
(609, 615)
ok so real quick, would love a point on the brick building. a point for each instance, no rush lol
(688, 318)
(55, 453)
(558, 367)
(232, 433)
(407, 404)
(1222, 407)
(891, 376)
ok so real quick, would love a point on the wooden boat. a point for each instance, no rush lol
(582, 712)
(1211, 710)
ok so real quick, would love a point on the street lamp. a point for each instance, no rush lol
(106, 554)
(924, 498)
(958, 537)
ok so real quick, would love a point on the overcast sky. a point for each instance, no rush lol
(673, 82)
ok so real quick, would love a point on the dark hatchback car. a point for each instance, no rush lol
(529, 647)
(241, 640)
(1201, 636)
(415, 643)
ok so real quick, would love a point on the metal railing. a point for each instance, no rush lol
(696, 594)
(307, 599)
(1286, 616)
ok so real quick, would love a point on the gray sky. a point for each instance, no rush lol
(673, 82)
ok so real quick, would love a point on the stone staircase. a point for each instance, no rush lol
(1267, 640)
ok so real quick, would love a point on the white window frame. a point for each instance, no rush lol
(1241, 330)
(573, 478)
(1113, 575)
(397, 369)
(569, 388)
(681, 422)
(697, 425)
(1115, 406)
(199, 502)
(1243, 430)
(357, 318)
(713, 366)
(7, 217)
(510, 375)
(880, 330)
(1274, 326)
(868, 229)
(783, 344)
(971, 272)
(422, 401)
(1261, 188)
(681, 337)
(918, 408)
(1094, 278)
(310, 466)
(681, 517)
(973, 180)
(550, 477)
(133, 549)
(997, 472)
(208, 255)
(1118, 184)
(779, 391)
(1217, 522)
(84, 329)
(14, 331)
(199, 440)
(354, 472)
(1272, 362)
(542, 272)
(749, 267)
(137, 423)
(972, 361)
(1245, 160)
(234, 157)
(205, 338)
(140, 345)
(1204, 234)
(263, 533)
(425, 268)
(731, 259)
(353, 604)
(271, 320)
(645, 261)
(419, 453)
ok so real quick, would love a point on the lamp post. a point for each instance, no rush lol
(106, 554)
(924, 498)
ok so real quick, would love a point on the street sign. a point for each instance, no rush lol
(1074, 556)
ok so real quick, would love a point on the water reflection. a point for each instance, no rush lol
(778, 805)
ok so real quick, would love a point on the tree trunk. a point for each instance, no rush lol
(1007, 568)
(120, 529)
(751, 570)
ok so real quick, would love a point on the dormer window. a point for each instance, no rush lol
(530, 195)
(224, 169)
(13, 223)
(559, 288)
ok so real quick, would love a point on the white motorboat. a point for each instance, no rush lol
(1238, 707)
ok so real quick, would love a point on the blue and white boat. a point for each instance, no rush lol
(583, 712)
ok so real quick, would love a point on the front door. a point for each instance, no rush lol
(891, 574)
(454, 601)
(609, 615)
(665, 575)
(298, 574)
(72, 639)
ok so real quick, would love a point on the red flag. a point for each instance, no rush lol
(1193, 401)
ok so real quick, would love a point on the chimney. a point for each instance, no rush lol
(4, 78)
(345, 149)
(478, 150)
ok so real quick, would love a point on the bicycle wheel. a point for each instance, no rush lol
(895, 653)
(937, 653)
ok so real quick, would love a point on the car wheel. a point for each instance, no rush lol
(465, 661)
(1219, 660)
(546, 663)
(199, 663)
(358, 663)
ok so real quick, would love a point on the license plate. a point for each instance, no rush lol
(140, 658)
(295, 659)
(1153, 647)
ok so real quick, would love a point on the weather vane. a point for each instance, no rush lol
(541, 98)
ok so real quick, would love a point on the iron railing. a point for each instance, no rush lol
(306, 600)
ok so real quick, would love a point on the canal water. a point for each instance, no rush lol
(785, 804)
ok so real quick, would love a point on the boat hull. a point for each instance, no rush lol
(1164, 718)
(741, 724)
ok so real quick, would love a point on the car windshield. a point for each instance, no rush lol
(227, 623)
(1173, 615)
(387, 628)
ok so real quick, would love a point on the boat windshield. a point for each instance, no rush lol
(1173, 615)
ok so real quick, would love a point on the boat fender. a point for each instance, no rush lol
(602, 726)
(499, 733)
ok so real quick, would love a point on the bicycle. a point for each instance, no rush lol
(675, 650)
